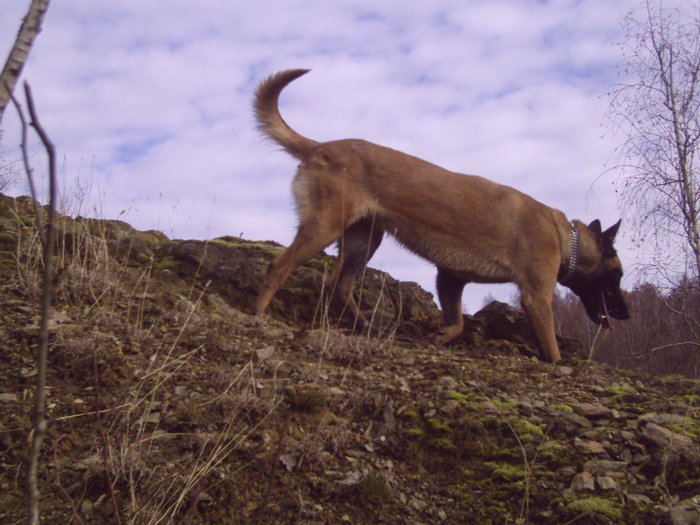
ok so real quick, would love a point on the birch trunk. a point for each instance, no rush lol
(28, 31)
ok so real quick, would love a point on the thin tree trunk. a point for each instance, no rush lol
(28, 31)
(40, 423)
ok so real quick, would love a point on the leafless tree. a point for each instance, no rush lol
(28, 31)
(9, 172)
(657, 108)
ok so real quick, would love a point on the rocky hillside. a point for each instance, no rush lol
(169, 403)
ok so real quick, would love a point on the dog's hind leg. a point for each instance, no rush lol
(356, 247)
(449, 289)
(312, 237)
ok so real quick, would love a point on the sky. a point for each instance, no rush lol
(149, 104)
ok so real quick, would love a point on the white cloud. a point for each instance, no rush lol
(152, 100)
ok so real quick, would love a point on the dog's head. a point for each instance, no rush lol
(599, 288)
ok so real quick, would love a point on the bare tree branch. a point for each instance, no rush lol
(27, 166)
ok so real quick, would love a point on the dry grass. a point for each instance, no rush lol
(132, 365)
(339, 347)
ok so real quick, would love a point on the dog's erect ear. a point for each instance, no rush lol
(595, 227)
(607, 238)
(611, 232)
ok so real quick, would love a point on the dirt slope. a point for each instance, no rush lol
(169, 403)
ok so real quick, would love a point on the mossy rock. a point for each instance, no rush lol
(595, 505)
(506, 471)
(372, 488)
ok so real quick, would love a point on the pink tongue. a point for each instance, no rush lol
(605, 320)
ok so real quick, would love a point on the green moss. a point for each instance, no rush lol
(416, 432)
(618, 392)
(691, 399)
(504, 452)
(438, 426)
(503, 405)
(411, 413)
(434, 434)
(691, 428)
(443, 443)
(462, 398)
(564, 408)
(596, 505)
(525, 430)
(166, 263)
(506, 471)
(471, 402)
(237, 242)
(554, 452)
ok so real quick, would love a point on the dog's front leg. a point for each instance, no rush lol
(449, 289)
(538, 307)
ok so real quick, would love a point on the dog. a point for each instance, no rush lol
(474, 230)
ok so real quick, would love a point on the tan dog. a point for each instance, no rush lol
(474, 230)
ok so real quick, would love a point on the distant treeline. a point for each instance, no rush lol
(662, 336)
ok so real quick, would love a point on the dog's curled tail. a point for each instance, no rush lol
(270, 122)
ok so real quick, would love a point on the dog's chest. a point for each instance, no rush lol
(467, 260)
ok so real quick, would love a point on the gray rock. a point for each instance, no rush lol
(663, 437)
(573, 420)
(606, 483)
(582, 481)
(602, 467)
(588, 447)
(592, 411)
(567, 471)
(563, 371)
(9, 397)
(686, 512)
(449, 383)
(264, 353)
(663, 419)
(628, 436)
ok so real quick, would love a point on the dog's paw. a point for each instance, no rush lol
(447, 334)
(260, 320)
(440, 338)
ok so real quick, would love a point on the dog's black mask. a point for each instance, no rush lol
(599, 290)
